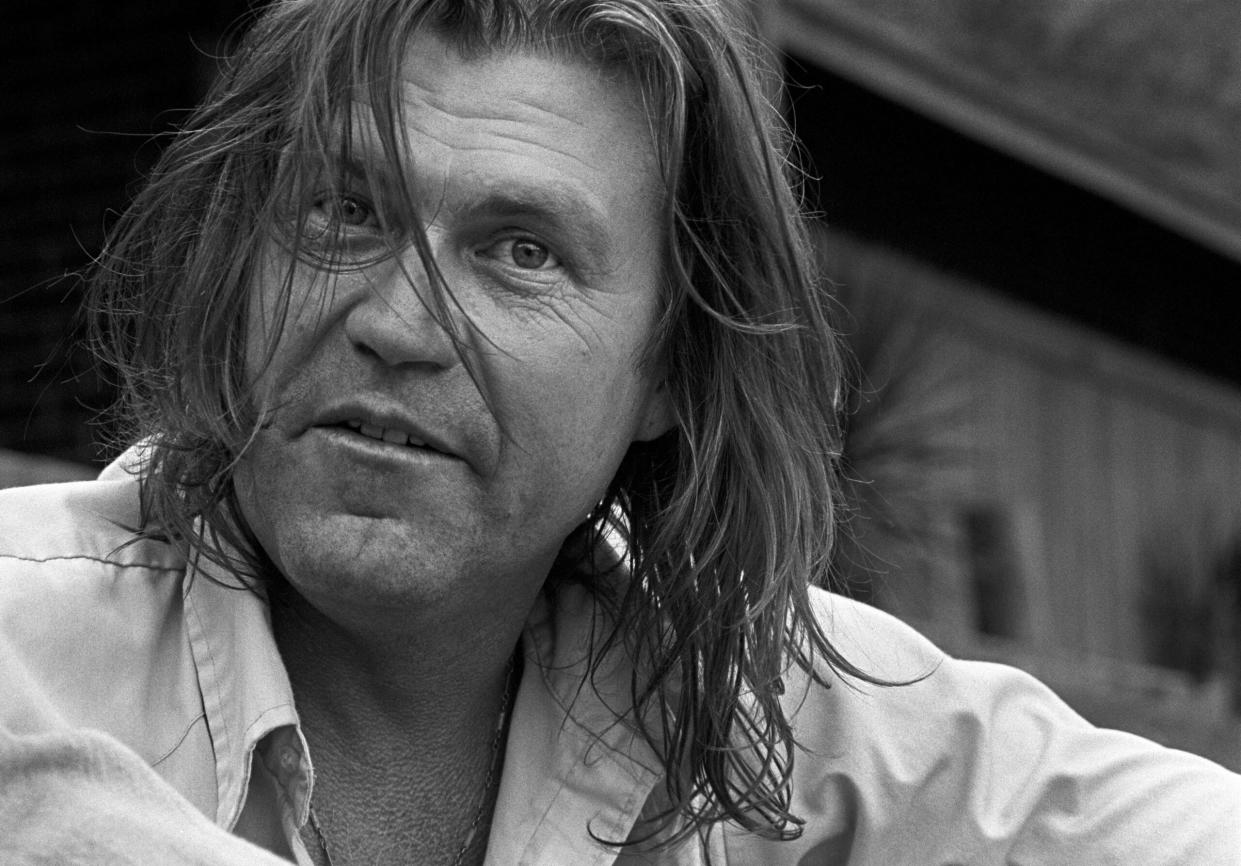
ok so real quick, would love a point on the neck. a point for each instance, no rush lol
(416, 680)
(400, 721)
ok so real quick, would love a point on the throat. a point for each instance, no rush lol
(410, 804)
(407, 745)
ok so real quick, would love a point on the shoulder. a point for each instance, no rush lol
(71, 558)
(872, 639)
(978, 762)
(91, 631)
(90, 520)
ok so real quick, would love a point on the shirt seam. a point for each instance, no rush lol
(87, 558)
(259, 718)
(221, 740)
(193, 722)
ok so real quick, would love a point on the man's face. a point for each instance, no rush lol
(388, 478)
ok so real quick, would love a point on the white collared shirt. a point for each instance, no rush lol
(976, 763)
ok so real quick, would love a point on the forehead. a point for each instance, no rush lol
(524, 95)
(520, 128)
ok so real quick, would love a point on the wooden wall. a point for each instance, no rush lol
(1114, 476)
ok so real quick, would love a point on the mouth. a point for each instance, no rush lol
(389, 435)
(376, 422)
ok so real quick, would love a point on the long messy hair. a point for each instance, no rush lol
(725, 521)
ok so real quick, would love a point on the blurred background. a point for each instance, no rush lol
(1030, 215)
(90, 89)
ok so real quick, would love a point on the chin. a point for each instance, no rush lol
(364, 562)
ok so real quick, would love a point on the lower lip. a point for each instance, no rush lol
(376, 450)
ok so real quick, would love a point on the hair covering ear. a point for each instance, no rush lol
(658, 417)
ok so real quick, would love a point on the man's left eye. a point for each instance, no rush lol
(525, 254)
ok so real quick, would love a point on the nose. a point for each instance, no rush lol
(394, 318)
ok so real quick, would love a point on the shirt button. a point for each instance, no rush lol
(288, 760)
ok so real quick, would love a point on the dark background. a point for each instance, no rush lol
(92, 86)
(88, 88)
(891, 174)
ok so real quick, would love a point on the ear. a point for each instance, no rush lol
(658, 416)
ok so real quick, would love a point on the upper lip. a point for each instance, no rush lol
(388, 417)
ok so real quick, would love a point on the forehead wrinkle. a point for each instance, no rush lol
(495, 141)
(512, 106)
(497, 138)
(519, 122)
(415, 95)
(539, 109)
(514, 110)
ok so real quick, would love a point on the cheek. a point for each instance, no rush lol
(584, 420)
(288, 313)
(266, 299)
(582, 381)
(257, 491)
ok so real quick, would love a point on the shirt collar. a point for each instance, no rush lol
(574, 765)
(246, 692)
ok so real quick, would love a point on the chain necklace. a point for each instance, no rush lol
(492, 770)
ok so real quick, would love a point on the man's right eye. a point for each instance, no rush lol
(342, 229)
(345, 210)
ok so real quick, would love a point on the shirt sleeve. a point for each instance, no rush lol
(1040, 785)
(981, 764)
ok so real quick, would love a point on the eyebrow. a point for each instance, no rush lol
(562, 211)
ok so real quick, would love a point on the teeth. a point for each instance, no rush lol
(391, 436)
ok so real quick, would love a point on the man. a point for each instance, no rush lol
(485, 405)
